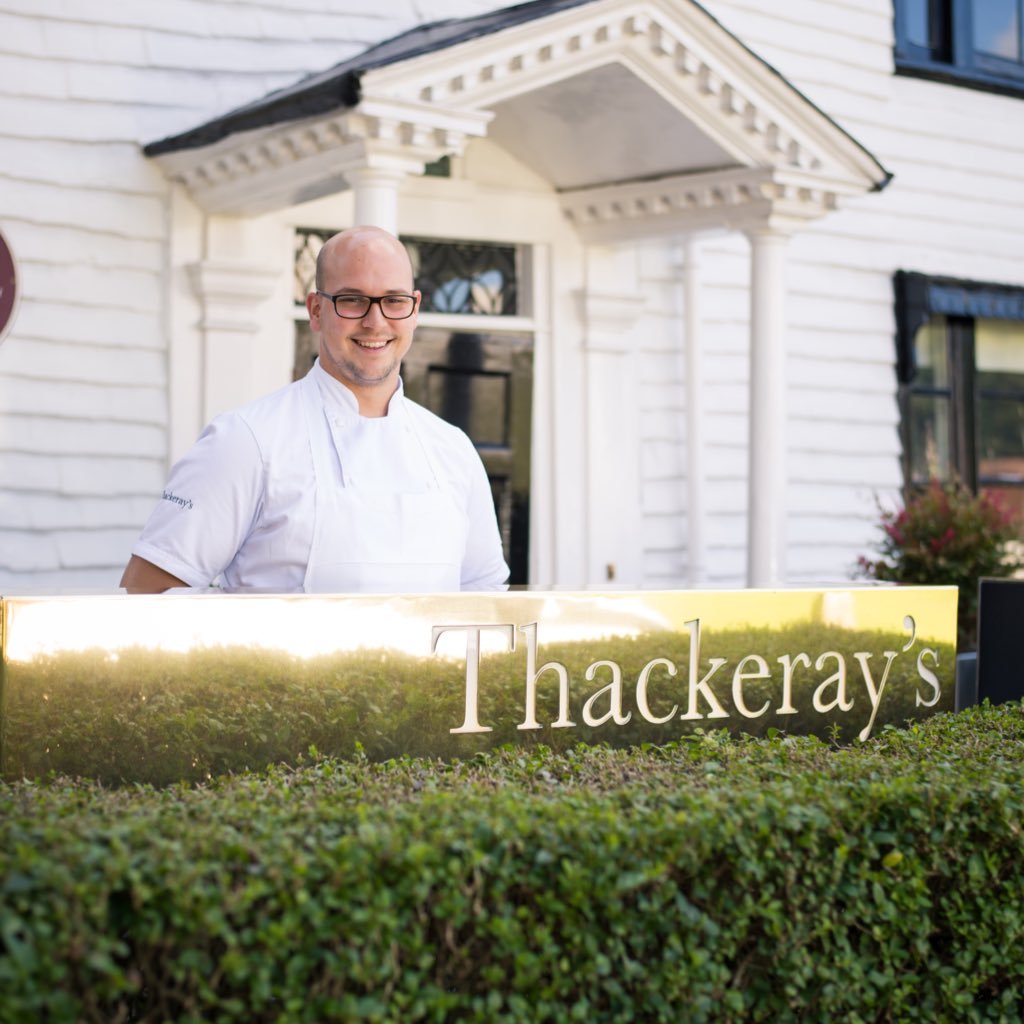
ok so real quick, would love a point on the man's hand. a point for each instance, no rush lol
(142, 577)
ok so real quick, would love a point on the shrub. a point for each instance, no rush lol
(714, 880)
(945, 535)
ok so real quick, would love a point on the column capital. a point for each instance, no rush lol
(231, 292)
(779, 230)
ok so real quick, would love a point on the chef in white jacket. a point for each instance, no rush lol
(337, 482)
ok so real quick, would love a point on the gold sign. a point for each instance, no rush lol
(186, 686)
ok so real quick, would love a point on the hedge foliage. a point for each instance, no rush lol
(716, 879)
(163, 717)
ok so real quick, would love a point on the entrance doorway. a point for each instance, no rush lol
(482, 382)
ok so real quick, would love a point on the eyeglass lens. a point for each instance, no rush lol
(394, 307)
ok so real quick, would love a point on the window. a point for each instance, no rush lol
(961, 370)
(467, 277)
(460, 278)
(973, 42)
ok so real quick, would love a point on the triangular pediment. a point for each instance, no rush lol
(597, 97)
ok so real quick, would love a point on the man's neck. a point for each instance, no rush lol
(373, 399)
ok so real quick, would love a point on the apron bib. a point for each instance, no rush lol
(371, 541)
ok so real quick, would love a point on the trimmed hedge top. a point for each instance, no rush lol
(716, 879)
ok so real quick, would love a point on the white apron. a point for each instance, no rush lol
(372, 541)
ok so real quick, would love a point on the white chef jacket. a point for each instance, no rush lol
(241, 508)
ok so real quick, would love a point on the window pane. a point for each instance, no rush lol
(930, 456)
(999, 356)
(931, 355)
(307, 348)
(999, 346)
(996, 28)
(915, 22)
(476, 402)
(930, 423)
(466, 277)
(926, 25)
(307, 244)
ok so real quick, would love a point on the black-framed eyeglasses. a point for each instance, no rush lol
(355, 307)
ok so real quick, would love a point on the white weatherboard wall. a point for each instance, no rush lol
(86, 423)
(955, 207)
(84, 412)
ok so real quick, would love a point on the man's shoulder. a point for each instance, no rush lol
(263, 427)
(268, 409)
(439, 428)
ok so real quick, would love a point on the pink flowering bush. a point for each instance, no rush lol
(945, 535)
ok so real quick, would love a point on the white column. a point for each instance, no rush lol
(375, 196)
(614, 515)
(766, 522)
(696, 570)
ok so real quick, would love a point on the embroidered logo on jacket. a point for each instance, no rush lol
(185, 503)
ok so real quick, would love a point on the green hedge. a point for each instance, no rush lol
(716, 879)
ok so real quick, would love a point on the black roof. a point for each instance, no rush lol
(338, 87)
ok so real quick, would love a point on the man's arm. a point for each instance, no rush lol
(483, 567)
(203, 514)
(142, 577)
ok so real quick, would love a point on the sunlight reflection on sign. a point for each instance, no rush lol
(303, 625)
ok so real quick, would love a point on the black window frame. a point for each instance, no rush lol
(952, 57)
(918, 299)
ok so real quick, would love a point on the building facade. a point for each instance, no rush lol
(704, 282)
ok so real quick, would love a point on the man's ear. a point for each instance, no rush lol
(314, 304)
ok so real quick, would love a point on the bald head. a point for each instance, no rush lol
(364, 267)
(359, 246)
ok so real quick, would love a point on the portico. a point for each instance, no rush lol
(642, 120)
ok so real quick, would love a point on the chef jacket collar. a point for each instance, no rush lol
(337, 398)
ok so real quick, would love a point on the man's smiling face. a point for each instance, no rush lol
(366, 353)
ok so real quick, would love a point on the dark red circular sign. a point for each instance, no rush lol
(8, 287)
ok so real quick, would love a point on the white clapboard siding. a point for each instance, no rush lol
(954, 207)
(83, 374)
(52, 435)
(112, 212)
(36, 550)
(50, 512)
(845, 405)
(49, 320)
(660, 496)
(79, 164)
(847, 496)
(79, 475)
(128, 404)
(83, 363)
(65, 580)
(665, 533)
(40, 243)
(662, 458)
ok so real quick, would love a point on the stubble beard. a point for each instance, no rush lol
(351, 372)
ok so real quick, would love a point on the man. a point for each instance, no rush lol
(337, 482)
